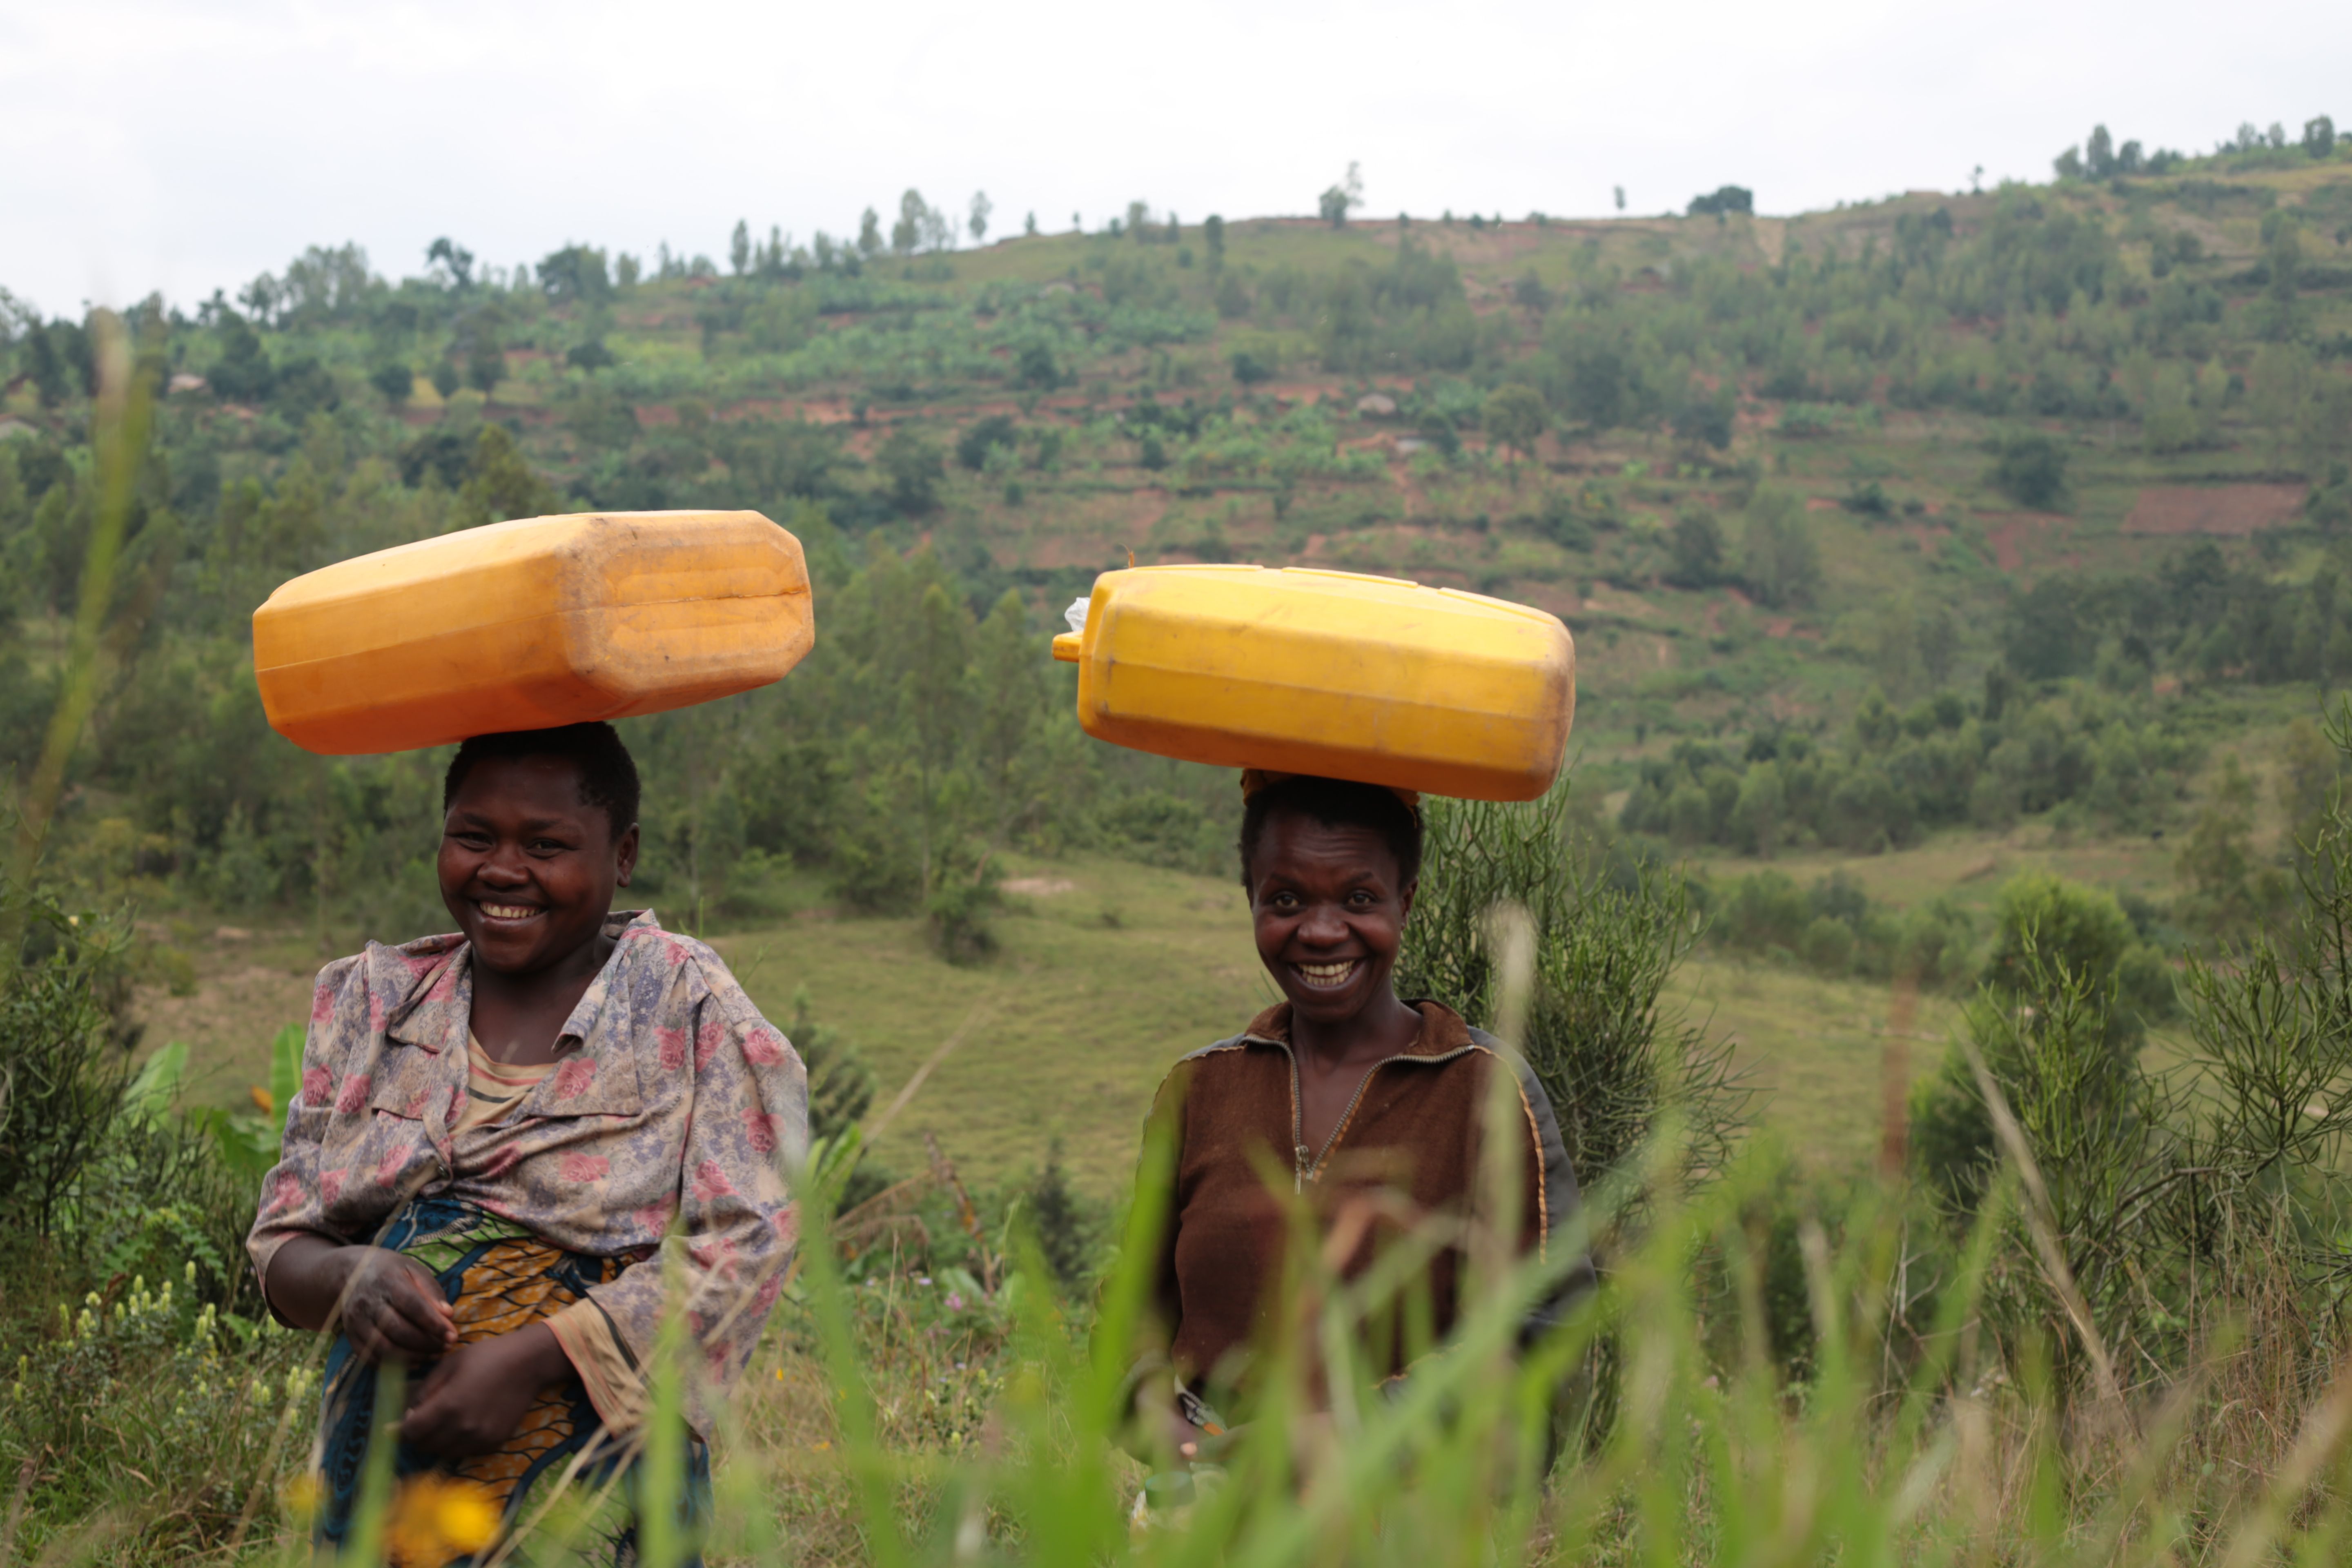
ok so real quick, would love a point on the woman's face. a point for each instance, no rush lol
(1330, 914)
(529, 869)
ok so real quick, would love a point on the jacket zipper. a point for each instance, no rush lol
(1304, 1162)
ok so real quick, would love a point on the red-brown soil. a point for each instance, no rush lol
(2229, 511)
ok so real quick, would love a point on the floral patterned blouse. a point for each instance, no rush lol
(672, 1101)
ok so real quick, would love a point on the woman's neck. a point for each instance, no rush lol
(1384, 1027)
(519, 1018)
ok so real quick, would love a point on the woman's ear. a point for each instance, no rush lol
(625, 856)
(1404, 901)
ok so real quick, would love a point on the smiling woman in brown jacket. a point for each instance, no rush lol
(1366, 1104)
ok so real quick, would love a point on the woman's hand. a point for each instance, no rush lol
(392, 1307)
(472, 1402)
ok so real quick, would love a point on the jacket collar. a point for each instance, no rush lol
(426, 988)
(1443, 1030)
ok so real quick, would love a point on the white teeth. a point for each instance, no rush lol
(1326, 973)
(508, 912)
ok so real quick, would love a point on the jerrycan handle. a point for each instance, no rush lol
(1066, 648)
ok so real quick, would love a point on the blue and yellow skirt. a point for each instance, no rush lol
(498, 1277)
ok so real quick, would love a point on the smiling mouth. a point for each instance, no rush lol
(1327, 976)
(507, 911)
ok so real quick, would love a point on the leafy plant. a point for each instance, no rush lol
(65, 1060)
(1616, 1064)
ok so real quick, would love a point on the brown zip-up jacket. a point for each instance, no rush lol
(1406, 1149)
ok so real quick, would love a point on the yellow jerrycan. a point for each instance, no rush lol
(528, 625)
(1306, 671)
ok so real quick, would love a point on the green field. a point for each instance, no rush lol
(1101, 983)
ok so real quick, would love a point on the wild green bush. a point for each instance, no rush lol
(1837, 930)
(1606, 939)
(146, 1415)
(65, 1053)
(1897, 774)
(2176, 1194)
(2065, 993)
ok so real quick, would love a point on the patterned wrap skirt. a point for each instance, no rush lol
(498, 1277)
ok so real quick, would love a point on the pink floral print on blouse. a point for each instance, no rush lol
(672, 1100)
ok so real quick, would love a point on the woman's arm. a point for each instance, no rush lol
(309, 1275)
(477, 1396)
(391, 1308)
(1158, 1425)
(389, 1305)
(749, 1124)
(1561, 1225)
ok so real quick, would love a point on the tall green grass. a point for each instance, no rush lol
(903, 1418)
(1659, 1425)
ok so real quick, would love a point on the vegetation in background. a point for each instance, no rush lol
(1841, 526)
(1604, 941)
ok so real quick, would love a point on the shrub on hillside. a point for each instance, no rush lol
(983, 435)
(2030, 469)
(1900, 774)
(2066, 996)
(1606, 940)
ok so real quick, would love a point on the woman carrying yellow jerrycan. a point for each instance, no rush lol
(1341, 697)
(497, 1129)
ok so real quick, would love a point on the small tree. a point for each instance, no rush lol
(2229, 892)
(914, 222)
(988, 431)
(575, 275)
(1212, 240)
(2030, 468)
(2319, 136)
(869, 234)
(1066, 1231)
(1778, 559)
(1035, 366)
(912, 467)
(1011, 679)
(939, 700)
(1336, 203)
(1515, 418)
(978, 222)
(1695, 546)
(1705, 417)
(738, 247)
(1612, 1056)
(499, 485)
(394, 380)
(486, 362)
(2283, 237)
(2099, 153)
(455, 260)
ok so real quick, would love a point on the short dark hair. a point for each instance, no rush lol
(1337, 803)
(608, 775)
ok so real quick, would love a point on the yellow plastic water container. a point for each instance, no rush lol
(528, 625)
(1351, 677)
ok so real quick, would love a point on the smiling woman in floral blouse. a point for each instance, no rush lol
(496, 1129)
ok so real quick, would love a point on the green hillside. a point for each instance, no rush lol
(1906, 545)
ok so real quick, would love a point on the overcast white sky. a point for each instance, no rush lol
(188, 146)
